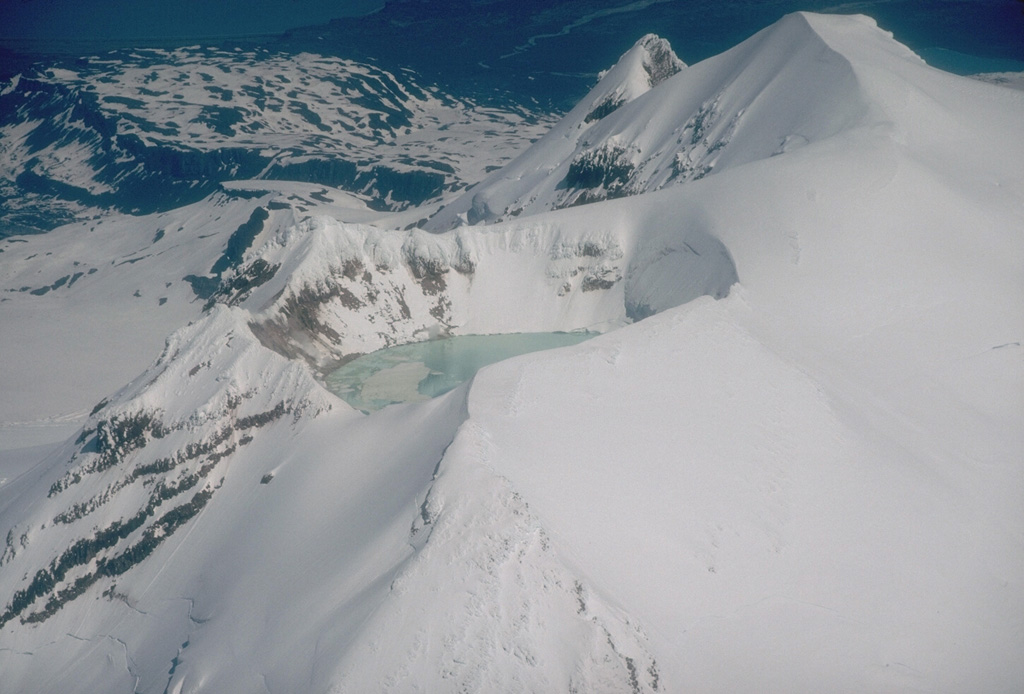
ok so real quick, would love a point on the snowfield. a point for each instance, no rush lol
(792, 463)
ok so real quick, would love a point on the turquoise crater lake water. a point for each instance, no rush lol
(423, 370)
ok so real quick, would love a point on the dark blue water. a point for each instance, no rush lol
(957, 35)
(569, 41)
(32, 23)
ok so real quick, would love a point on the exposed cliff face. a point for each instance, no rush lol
(647, 64)
(340, 290)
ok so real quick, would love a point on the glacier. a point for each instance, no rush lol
(790, 463)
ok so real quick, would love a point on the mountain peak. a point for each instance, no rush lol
(659, 60)
(804, 79)
(647, 64)
(643, 67)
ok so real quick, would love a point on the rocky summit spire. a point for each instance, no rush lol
(647, 64)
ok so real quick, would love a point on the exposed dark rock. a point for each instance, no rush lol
(433, 284)
(337, 173)
(240, 241)
(606, 107)
(600, 174)
(237, 289)
(202, 287)
(104, 549)
(598, 281)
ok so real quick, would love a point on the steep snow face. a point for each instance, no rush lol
(506, 609)
(647, 64)
(149, 130)
(818, 484)
(93, 302)
(781, 89)
(836, 444)
(220, 433)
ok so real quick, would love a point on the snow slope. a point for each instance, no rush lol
(94, 301)
(781, 89)
(810, 484)
(814, 483)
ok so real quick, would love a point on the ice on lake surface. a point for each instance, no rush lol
(423, 370)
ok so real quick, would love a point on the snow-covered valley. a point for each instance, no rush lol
(791, 463)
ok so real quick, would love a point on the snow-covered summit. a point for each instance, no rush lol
(647, 64)
(799, 81)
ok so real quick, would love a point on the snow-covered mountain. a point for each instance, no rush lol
(94, 301)
(150, 130)
(795, 465)
(778, 91)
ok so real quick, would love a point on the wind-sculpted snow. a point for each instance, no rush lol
(150, 130)
(794, 467)
(505, 613)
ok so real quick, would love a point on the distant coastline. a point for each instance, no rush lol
(77, 27)
(514, 44)
(60, 47)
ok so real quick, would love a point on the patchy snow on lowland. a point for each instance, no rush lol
(793, 467)
(144, 130)
(208, 99)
